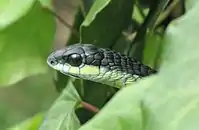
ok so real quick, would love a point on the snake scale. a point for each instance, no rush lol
(86, 61)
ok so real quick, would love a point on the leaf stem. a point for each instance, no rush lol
(149, 24)
(90, 107)
(165, 14)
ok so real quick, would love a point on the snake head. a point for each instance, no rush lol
(72, 61)
(54, 60)
(89, 62)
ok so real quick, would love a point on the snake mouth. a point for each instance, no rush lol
(75, 76)
(72, 75)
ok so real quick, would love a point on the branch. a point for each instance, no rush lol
(89, 107)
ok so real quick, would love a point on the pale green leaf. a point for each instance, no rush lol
(152, 49)
(29, 124)
(47, 4)
(189, 4)
(12, 10)
(25, 46)
(61, 115)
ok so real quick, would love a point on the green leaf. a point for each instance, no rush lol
(190, 3)
(121, 113)
(94, 93)
(25, 46)
(25, 98)
(47, 3)
(167, 101)
(138, 15)
(61, 115)
(152, 49)
(137, 46)
(105, 21)
(12, 10)
(29, 124)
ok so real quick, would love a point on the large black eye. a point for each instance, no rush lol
(75, 60)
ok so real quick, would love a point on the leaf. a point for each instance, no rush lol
(25, 46)
(121, 113)
(152, 49)
(94, 93)
(12, 10)
(105, 21)
(47, 3)
(190, 3)
(25, 98)
(61, 115)
(167, 101)
(139, 13)
(29, 124)
(137, 46)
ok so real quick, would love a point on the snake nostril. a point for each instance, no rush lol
(53, 62)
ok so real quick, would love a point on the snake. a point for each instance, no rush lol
(102, 65)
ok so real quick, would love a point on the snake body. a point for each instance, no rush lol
(86, 61)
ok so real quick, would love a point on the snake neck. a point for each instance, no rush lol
(116, 78)
(116, 69)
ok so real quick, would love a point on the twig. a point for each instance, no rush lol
(73, 31)
(89, 107)
(165, 14)
(149, 23)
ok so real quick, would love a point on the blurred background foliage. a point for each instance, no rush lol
(30, 30)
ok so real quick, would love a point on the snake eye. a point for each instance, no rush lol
(75, 60)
